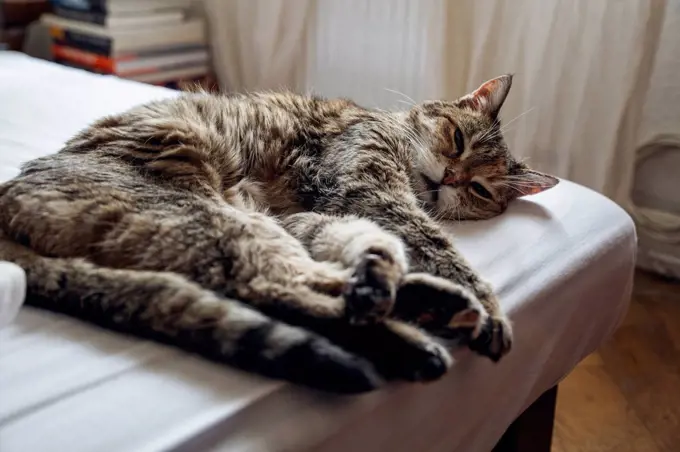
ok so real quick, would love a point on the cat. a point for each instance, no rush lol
(292, 236)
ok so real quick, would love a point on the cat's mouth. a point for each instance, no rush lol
(432, 194)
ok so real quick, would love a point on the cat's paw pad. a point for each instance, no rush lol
(372, 289)
(495, 339)
(440, 306)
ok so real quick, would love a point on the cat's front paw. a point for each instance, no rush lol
(495, 338)
(440, 306)
(372, 289)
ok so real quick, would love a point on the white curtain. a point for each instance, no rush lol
(260, 44)
(655, 189)
(582, 67)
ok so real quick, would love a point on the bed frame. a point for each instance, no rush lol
(532, 430)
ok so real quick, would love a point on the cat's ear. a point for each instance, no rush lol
(489, 97)
(533, 182)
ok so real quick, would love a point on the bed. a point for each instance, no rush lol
(562, 262)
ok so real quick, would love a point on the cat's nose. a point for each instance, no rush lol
(455, 178)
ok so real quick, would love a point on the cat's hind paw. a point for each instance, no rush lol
(372, 289)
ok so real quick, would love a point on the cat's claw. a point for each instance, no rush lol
(371, 291)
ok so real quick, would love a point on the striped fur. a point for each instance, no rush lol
(283, 234)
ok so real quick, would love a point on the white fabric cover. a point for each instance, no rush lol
(561, 262)
(12, 291)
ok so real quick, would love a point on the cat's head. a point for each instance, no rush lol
(464, 169)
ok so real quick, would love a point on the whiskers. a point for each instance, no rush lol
(436, 214)
(517, 183)
(426, 192)
(453, 213)
(406, 131)
(454, 208)
(507, 125)
(495, 132)
(509, 186)
(490, 134)
(407, 100)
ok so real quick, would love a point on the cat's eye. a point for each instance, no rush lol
(459, 141)
(479, 190)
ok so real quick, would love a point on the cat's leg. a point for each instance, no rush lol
(378, 255)
(241, 255)
(169, 308)
(250, 257)
(431, 250)
(378, 259)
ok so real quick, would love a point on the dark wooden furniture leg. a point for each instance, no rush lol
(532, 430)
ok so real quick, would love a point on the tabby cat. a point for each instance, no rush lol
(292, 236)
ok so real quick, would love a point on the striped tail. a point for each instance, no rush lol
(168, 308)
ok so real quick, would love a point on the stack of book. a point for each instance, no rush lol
(151, 41)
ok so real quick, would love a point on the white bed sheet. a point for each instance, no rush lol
(561, 261)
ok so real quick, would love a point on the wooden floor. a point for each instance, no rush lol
(626, 396)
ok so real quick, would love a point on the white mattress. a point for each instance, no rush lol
(561, 261)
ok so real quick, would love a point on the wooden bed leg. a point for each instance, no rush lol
(532, 430)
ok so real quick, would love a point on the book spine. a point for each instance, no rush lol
(96, 6)
(89, 60)
(156, 69)
(101, 45)
(160, 51)
(92, 17)
(68, 63)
